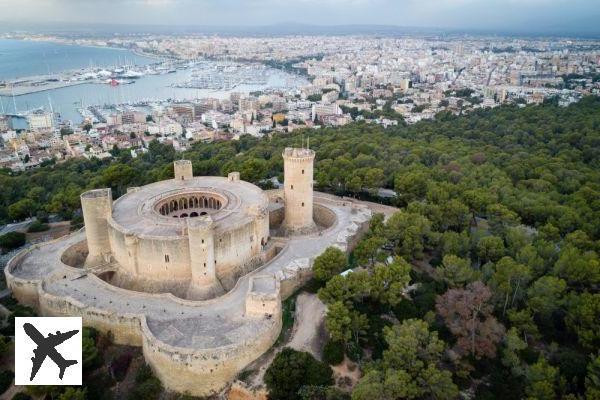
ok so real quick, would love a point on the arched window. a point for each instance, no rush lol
(194, 214)
(184, 215)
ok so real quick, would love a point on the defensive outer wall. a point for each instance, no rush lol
(195, 347)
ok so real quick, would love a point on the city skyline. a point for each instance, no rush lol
(576, 17)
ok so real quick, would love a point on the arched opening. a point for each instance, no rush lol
(193, 214)
(203, 213)
(184, 215)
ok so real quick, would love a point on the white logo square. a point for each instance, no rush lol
(48, 351)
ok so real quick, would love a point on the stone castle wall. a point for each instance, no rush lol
(165, 262)
(198, 372)
(202, 373)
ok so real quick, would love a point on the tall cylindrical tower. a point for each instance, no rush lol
(183, 170)
(204, 282)
(298, 189)
(97, 207)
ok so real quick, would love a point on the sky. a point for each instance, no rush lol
(491, 15)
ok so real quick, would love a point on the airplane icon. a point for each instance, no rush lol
(47, 348)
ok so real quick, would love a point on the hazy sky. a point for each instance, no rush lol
(521, 15)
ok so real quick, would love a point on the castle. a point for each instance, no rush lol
(193, 269)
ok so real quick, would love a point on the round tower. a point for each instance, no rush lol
(97, 208)
(298, 189)
(183, 170)
(204, 282)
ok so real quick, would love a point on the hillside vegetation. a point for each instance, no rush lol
(499, 230)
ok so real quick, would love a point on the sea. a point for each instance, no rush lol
(22, 58)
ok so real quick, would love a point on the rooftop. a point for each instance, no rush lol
(137, 214)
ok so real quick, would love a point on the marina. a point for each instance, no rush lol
(143, 81)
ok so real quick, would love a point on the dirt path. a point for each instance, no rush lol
(309, 325)
(308, 334)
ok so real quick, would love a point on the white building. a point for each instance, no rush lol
(40, 119)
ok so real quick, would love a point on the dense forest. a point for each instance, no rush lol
(487, 280)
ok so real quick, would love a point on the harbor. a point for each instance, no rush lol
(72, 91)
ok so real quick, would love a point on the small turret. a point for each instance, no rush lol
(96, 206)
(183, 170)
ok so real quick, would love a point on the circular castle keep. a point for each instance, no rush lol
(193, 269)
(192, 237)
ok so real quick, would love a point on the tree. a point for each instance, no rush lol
(592, 379)
(367, 249)
(578, 268)
(344, 323)
(546, 295)
(291, 370)
(4, 345)
(516, 238)
(456, 271)
(582, 319)
(333, 352)
(490, 248)
(354, 184)
(37, 226)
(411, 185)
(513, 345)
(468, 315)
(65, 201)
(330, 263)
(523, 321)
(374, 178)
(147, 386)
(338, 322)
(408, 232)
(322, 393)
(12, 240)
(353, 287)
(91, 355)
(509, 281)
(500, 218)
(72, 393)
(376, 225)
(409, 369)
(24, 208)
(530, 256)
(455, 243)
(118, 177)
(389, 282)
(6, 379)
(541, 381)
(455, 215)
